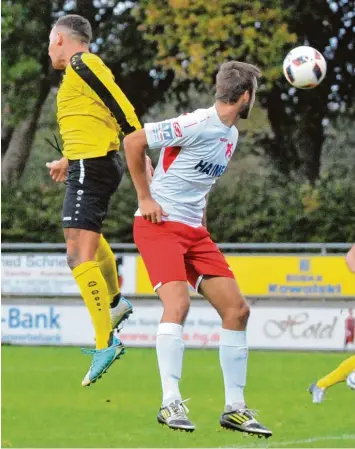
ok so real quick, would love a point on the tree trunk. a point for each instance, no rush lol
(6, 129)
(296, 146)
(310, 146)
(280, 147)
(15, 158)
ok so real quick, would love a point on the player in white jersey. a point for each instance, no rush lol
(172, 237)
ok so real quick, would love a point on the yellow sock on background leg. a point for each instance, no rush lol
(339, 374)
(107, 263)
(93, 289)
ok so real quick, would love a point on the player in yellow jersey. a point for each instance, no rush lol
(92, 111)
(341, 373)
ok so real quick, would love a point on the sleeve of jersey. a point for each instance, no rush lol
(90, 69)
(180, 131)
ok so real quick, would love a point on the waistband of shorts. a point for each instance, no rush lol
(109, 156)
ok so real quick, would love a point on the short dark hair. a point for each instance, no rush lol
(233, 79)
(79, 27)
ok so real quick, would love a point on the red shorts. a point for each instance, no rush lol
(173, 251)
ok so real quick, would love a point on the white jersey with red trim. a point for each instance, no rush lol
(196, 149)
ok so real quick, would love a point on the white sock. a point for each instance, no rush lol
(170, 351)
(233, 356)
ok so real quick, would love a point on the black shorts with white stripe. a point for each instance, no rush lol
(90, 185)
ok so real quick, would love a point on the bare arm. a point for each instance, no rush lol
(135, 145)
(350, 259)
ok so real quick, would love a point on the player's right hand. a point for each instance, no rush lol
(151, 210)
(58, 169)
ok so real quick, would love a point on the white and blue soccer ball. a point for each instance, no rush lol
(350, 381)
(304, 67)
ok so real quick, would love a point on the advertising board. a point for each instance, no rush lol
(301, 328)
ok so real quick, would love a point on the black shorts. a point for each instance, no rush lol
(90, 185)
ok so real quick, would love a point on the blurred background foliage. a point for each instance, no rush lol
(293, 176)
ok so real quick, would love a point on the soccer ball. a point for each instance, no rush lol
(350, 381)
(304, 67)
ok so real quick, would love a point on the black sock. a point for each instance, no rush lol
(115, 301)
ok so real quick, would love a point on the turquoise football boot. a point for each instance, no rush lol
(102, 360)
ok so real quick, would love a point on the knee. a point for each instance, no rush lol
(176, 312)
(73, 259)
(245, 313)
(237, 316)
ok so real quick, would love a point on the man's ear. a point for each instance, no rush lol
(246, 96)
(60, 39)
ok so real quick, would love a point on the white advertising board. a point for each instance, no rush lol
(48, 274)
(300, 328)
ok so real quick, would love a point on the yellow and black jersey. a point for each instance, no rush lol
(92, 109)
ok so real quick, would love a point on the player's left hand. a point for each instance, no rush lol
(149, 169)
(151, 210)
(58, 169)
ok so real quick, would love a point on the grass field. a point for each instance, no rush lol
(43, 404)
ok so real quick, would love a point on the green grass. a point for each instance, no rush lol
(43, 404)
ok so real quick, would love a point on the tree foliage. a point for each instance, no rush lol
(251, 209)
(25, 29)
(273, 209)
(193, 37)
(299, 118)
(156, 47)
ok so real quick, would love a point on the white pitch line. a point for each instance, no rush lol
(295, 442)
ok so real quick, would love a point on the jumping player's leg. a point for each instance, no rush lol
(208, 271)
(107, 263)
(120, 307)
(90, 185)
(164, 260)
(170, 345)
(170, 352)
(224, 295)
(319, 388)
(339, 374)
(112, 169)
(81, 249)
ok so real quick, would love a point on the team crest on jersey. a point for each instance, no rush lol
(229, 151)
(177, 129)
(162, 131)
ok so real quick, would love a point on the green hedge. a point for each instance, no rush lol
(251, 209)
(33, 214)
(272, 209)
